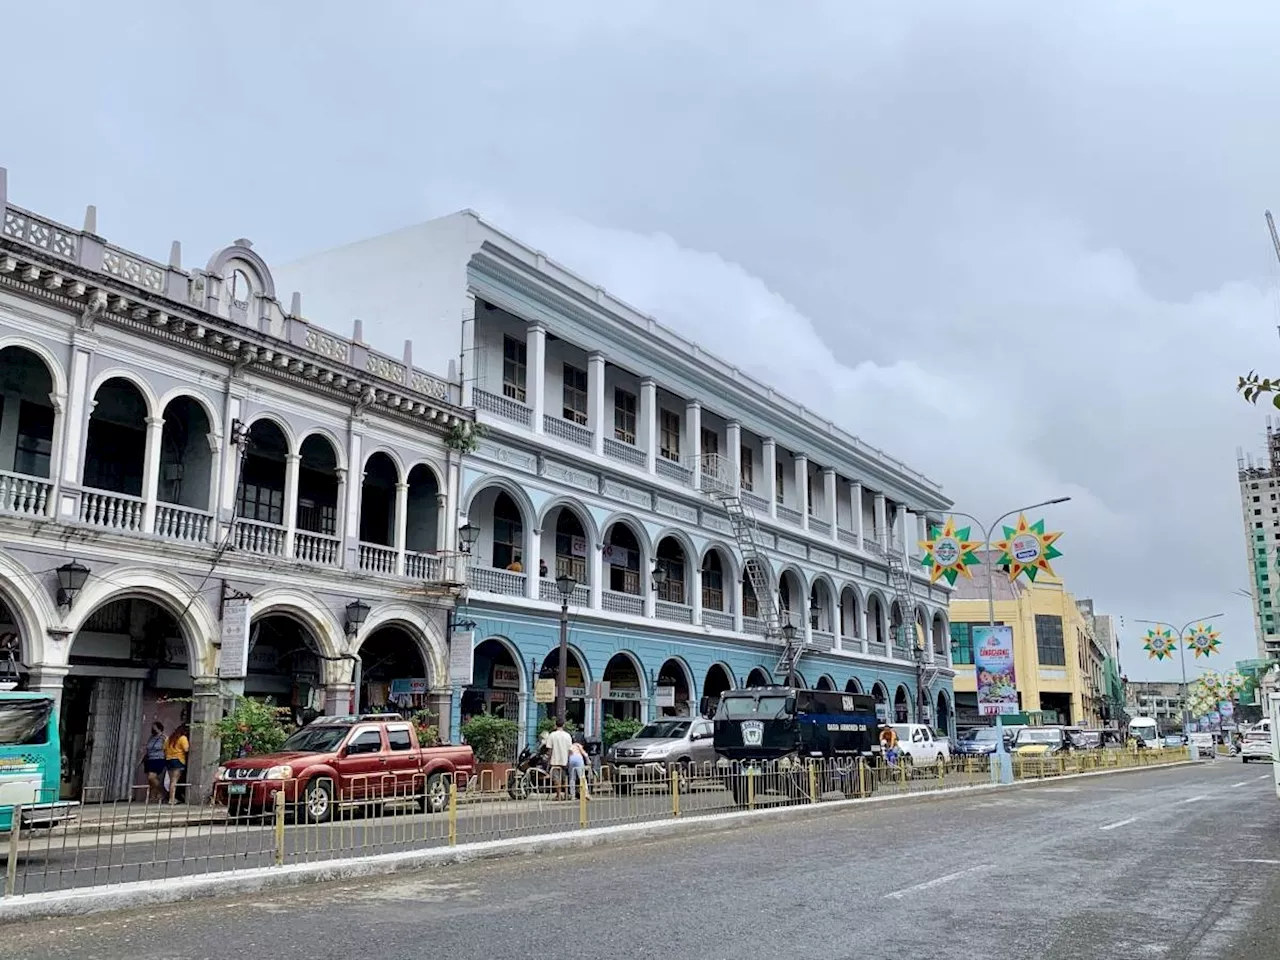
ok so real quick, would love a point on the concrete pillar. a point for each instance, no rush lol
(733, 455)
(855, 501)
(291, 461)
(596, 408)
(532, 557)
(339, 699)
(693, 583)
(802, 489)
(595, 574)
(770, 485)
(447, 708)
(467, 358)
(734, 591)
(647, 425)
(862, 626)
(47, 679)
(401, 521)
(829, 501)
(78, 408)
(536, 372)
(151, 473)
(9, 430)
(206, 748)
(351, 514)
(882, 522)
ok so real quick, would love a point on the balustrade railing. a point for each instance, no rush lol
(423, 566)
(377, 558)
(580, 596)
(503, 407)
(789, 515)
(24, 495)
(317, 548)
(567, 430)
(114, 511)
(264, 539)
(487, 579)
(673, 470)
(717, 619)
(676, 612)
(182, 523)
(625, 452)
(622, 603)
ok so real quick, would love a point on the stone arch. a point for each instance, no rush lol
(507, 486)
(759, 677)
(681, 667)
(306, 609)
(195, 619)
(901, 704)
(944, 715)
(794, 599)
(941, 631)
(396, 460)
(425, 632)
(427, 464)
(722, 671)
(635, 664)
(210, 409)
(828, 616)
(575, 507)
(33, 614)
(825, 682)
(880, 692)
(877, 618)
(57, 375)
(632, 523)
(225, 259)
(149, 397)
(850, 606)
(290, 439)
(512, 649)
(719, 573)
(339, 450)
(853, 685)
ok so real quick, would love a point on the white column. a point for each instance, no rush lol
(806, 614)
(862, 626)
(647, 427)
(693, 581)
(837, 619)
(351, 515)
(595, 574)
(829, 501)
(882, 522)
(595, 401)
(693, 440)
(401, 521)
(770, 487)
(536, 372)
(802, 488)
(733, 440)
(151, 473)
(736, 591)
(77, 414)
(9, 430)
(855, 501)
(291, 462)
(467, 361)
(532, 556)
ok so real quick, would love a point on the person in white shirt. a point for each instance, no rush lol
(561, 744)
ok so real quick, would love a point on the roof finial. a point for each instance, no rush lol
(357, 334)
(4, 185)
(408, 354)
(91, 219)
(175, 255)
(295, 305)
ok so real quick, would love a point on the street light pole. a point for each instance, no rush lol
(1182, 657)
(566, 586)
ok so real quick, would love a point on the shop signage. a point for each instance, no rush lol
(415, 687)
(578, 546)
(544, 690)
(622, 694)
(233, 661)
(504, 678)
(993, 664)
(665, 696)
(461, 661)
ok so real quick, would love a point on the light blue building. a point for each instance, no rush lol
(697, 512)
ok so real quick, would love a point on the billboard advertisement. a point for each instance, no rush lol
(993, 663)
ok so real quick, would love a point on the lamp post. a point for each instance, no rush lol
(789, 635)
(1182, 657)
(566, 585)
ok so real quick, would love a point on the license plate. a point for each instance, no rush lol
(238, 788)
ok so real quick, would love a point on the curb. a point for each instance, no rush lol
(124, 896)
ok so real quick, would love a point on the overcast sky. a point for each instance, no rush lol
(1019, 245)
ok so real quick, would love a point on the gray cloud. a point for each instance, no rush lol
(1019, 245)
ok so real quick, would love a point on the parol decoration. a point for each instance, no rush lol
(1160, 644)
(1203, 640)
(1027, 547)
(949, 552)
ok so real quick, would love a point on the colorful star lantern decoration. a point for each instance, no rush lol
(1027, 547)
(949, 552)
(1203, 640)
(1160, 644)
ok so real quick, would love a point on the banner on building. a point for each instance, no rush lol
(461, 661)
(665, 696)
(504, 678)
(1227, 709)
(233, 661)
(993, 664)
(410, 687)
(544, 690)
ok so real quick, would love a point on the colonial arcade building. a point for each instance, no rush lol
(688, 516)
(203, 494)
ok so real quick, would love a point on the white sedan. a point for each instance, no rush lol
(1256, 746)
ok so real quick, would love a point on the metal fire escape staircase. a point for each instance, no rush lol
(718, 482)
(896, 558)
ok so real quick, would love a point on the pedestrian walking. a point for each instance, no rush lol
(176, 749)
(561, 745)
(153, 763)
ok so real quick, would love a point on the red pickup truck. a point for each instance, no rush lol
(336, 761)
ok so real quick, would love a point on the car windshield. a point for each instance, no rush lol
(982, 735)
(743, 708)
(315, 740)
(1039, 736)
(664, 730)
(1257, 735)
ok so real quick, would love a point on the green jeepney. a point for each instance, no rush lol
(30, 762)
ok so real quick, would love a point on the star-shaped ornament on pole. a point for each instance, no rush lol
(1160, 644)
(949, 552)
(1203, 640)
(1028, 548)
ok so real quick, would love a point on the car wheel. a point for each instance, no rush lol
(436, 796)
(318, 801)
(942, 761)
(1244, 759)
(684, 775)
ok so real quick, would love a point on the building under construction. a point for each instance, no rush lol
(1260, 507)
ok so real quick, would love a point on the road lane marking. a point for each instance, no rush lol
(1272, 862)
(1240, 784)
(1119, 823)
(935, 882)
(1194, 799)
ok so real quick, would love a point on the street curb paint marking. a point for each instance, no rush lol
(935, 882)
(1119, 823)
(1194, 799)
(1271, 862)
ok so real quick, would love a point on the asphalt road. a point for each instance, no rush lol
(1179, 863)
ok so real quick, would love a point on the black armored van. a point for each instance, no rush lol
(768, 735)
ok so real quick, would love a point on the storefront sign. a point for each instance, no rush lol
(414, 687)
(623, 694)
(544, 690)
(461, 661)
(665, 696)
(993, 664)
(504, 678)
(233, 661)
(578, 546)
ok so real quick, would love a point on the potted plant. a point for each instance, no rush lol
(494, 742)
(251, 727)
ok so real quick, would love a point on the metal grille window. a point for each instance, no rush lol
(710, 443)
(809, 492)
(514, 360)
(670, 440)
(575, 394)
(745, 471)
(778, 486)
(1050, 646)
(261, 503)
(624, 416)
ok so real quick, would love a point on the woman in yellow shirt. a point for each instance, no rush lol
(176, 749)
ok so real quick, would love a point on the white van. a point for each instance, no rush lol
(1146, 730)
(918, 745)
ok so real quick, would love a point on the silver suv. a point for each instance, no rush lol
(673, 745)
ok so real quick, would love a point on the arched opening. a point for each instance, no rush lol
(943, 722)
(393, 676)
(759, 677)
(14, 652)
(186, 457)
(920, 638)
(422, 520)
(715, 599)
(896, 631)
(564, 540)
(318, 497)
(116, 443)
(260, 498)
(822, 609)
(285, 666)
(875, 622)
(750, 607)
(129, 669)
(625, 689)
(852, 685)
(880, 693)
(850, 625)
(497, 557)
(671, 559)
(941, 636)
(673, 695)
(622, 556)
(26, 427)
(901, 705)
(378, 501)
(825, 683)
(791, 599)
(714, 685)
(575, 697)
(495, 683)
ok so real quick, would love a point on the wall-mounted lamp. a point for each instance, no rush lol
(467, 537)
(659, 574)
(566, 585)
(357, 614)
(71, 579)
(239, 433)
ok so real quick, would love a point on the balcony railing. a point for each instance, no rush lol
(182, 523)
(789, 515)
(488, 580)
(847, 536)
(622, 603)
(753, 625)
(264, 539)
(821, 640)
(423, 566)
(114, 511)
(317, 548)
(625, 452)
(377, 558)
(877, 648)
(673, 470)
(717, 619)
(675, 612)
(563, 429)
(820, 527)
(579, 597)
(758, 504)
(23, 495)
(503, 407)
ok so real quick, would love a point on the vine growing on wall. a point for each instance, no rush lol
(464, 437)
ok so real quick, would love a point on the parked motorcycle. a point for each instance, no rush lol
(531, 774)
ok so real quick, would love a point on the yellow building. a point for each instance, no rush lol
(1057, 660)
